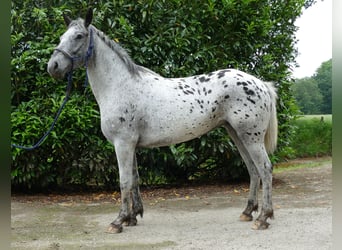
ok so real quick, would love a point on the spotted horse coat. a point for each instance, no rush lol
(140, 108)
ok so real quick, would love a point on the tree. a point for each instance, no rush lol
(323, 77)
(308, 95)
(313, 94)
(173, 38)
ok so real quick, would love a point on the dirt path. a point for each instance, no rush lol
(186, 218)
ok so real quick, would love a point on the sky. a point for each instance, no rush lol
(315, 38)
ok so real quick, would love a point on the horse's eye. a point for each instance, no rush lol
(79, 36)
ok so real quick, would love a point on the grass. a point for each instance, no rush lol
(313, 136)
(326, 118)
(302, 163)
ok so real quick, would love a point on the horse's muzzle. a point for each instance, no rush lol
(56, 69)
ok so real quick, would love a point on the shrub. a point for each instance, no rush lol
(313, 137)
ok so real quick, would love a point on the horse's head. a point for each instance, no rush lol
(71, 52)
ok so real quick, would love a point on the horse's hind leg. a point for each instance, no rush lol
(257, 154)
(259, 166)
(252, 204)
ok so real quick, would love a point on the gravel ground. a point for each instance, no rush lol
(191, 219)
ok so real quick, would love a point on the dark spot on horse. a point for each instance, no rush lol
(190, 110)
(186, 86)
(216, 102)
(201, 106)
(248, 91)
(226, 97)
(197, 83)
(181, 87)
(199, 92)
(209, 91)
(235, 112)
(246, 115)
(249, 99)
(213, 109)
(184, 100)
(210, 74)
(245, 104)
(156, 78)
(122, 119)
(221, 73)
(239, 75)
(248, 133)
(126, 111)
(202, 79)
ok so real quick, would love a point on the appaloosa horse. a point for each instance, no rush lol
(140, 108)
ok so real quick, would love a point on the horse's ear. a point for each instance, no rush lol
(89, 17)
(67, 19)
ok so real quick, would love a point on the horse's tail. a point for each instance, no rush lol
(271, 135)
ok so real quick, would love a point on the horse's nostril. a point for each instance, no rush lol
(55, 66)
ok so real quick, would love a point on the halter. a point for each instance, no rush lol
(76, 58)
(68, 89)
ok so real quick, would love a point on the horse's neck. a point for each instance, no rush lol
(106, 71)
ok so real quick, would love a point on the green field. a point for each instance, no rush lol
(327, 118)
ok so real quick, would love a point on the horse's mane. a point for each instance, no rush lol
(132, 67)
(126, 59)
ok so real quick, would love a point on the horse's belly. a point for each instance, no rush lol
(175, 131)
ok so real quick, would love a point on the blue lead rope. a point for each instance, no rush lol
(66, 98)
(68, 90)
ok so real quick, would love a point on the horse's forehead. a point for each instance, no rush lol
(72, 29)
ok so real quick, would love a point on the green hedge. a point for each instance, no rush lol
(313, 137)
(172, 37)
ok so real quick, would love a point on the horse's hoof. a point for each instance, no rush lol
(260, 225)
(114, 229)
(245, 217)
(131, 222)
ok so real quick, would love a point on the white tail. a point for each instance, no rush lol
(271, 135)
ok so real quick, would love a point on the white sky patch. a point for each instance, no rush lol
(314, 38)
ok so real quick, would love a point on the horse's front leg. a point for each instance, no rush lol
(137, 205)
(125, 153)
